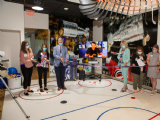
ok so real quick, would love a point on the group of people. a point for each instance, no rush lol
(61, 58)
(152, 59)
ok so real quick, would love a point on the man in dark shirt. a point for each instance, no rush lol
(93, 51)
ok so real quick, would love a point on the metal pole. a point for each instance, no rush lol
(15, 98)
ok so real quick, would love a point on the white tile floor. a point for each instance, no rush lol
(86, 100)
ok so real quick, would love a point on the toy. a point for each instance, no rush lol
(12, 70)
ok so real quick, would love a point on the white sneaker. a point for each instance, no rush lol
(152, 92)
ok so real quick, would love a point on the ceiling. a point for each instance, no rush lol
(137, 4)
(57, 7)
(54, 7)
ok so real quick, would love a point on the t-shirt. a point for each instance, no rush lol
(91, 52)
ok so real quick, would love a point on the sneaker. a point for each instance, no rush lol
(152, 92)
(41, 90)
(31, 91)
(45, 88)
(26, 94)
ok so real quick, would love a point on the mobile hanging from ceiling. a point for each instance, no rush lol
(98, 9)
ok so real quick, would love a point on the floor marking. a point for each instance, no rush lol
(87, 106)
(128, 107)
(94, 83)
(133, 98)
(41, 94)
(154, 116)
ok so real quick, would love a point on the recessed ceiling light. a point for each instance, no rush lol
(65, 8)
(37, 8)
(37, 5)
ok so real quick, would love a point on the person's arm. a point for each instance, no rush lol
(118, 57)
(54, 54)
(127, 57)
(32, 56)
(99, 52)
(148, 59)
(87, 53)
(144, 59)
(159, 62)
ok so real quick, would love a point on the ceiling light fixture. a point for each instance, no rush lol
(65, 8)
(37, 5)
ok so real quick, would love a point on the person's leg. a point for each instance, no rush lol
(58, 74)
(63, 69)
(135, 78)
(155, 84)
(26, 78)
(29, 78)
(154, 80)
(125, 73)
(141, 81)
(23, 73)
(45, 77)
(40, 76)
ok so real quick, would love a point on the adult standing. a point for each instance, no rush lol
(124, 59)
(153, 59)
(26, 58)
(61, 58)
(42, 66)
(138, 72)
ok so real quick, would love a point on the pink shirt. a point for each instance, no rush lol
(26, 56)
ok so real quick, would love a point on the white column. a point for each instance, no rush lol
(33, 43)
(98, 36)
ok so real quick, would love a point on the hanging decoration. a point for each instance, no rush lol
(92, 9)
(101, 13)
(108, 18)
(101, 18)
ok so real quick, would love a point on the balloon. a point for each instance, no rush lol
(64, 39)
(56, 36)
(61, 32)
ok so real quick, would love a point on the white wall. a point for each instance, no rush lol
(10, 43)
(98, 36)
(158, 42)
(37, 21)
(12, 17)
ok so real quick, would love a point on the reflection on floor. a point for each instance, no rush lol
(86, 100)
(35, 74)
